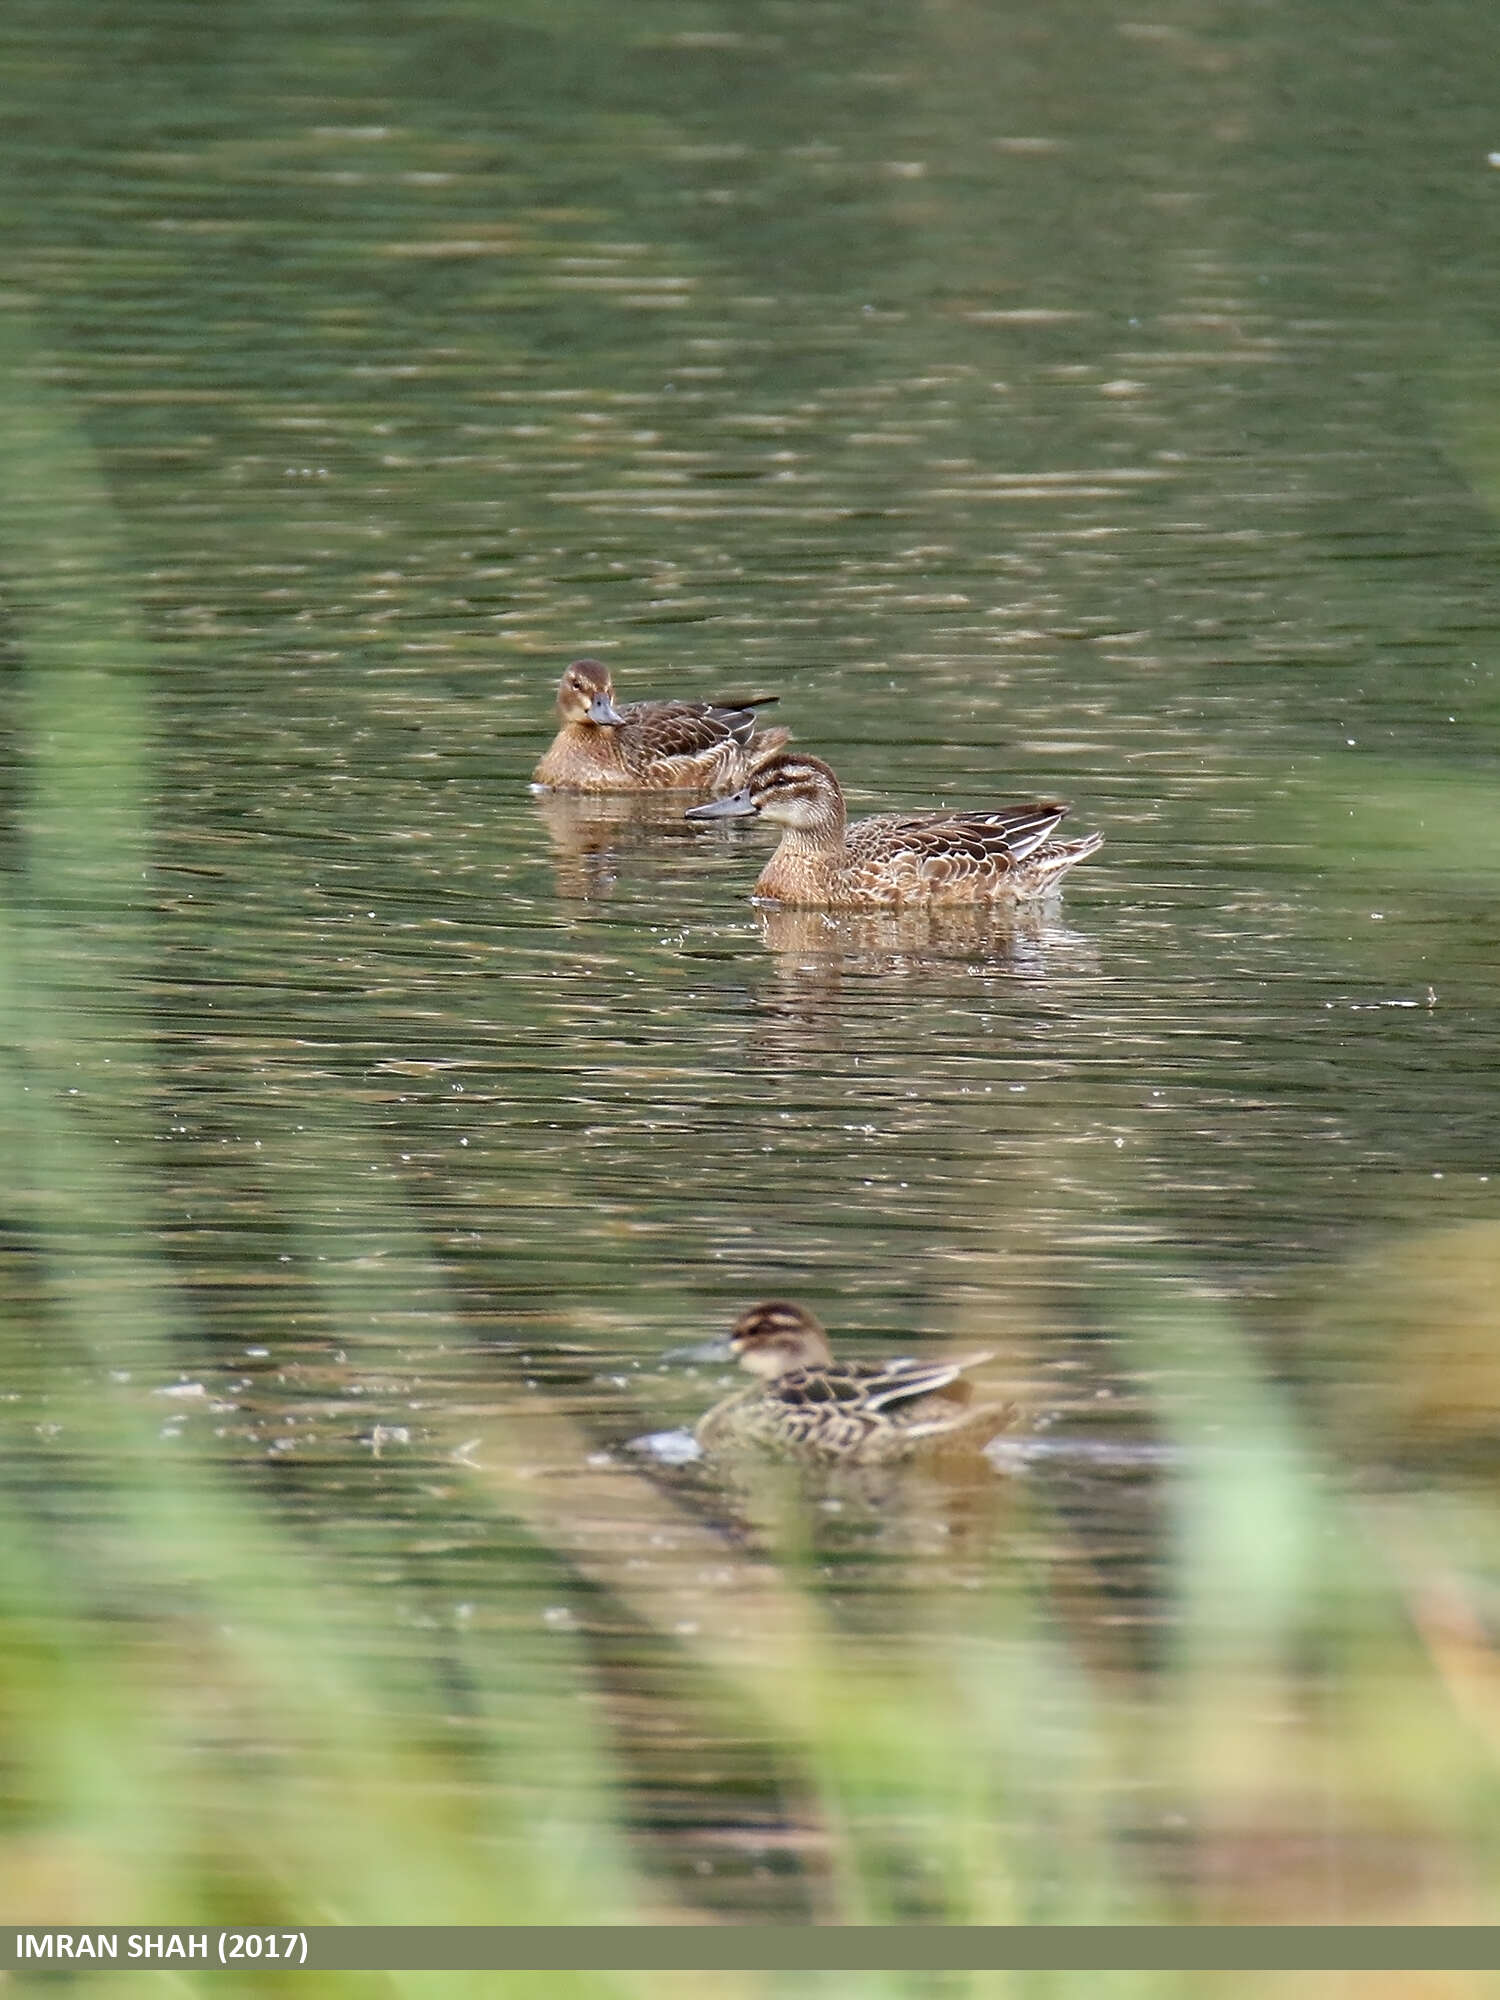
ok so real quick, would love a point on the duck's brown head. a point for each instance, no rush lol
(789, 789)
(774, 1338)
(587, 694)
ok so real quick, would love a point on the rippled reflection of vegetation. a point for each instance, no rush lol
(330, 1588)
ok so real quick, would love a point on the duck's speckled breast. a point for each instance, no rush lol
(582, 758)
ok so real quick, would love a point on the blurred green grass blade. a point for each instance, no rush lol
(85, 710)
(168, 1612)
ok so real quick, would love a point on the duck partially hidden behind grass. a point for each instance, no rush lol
(807, 1405)
(895, 861)
(650, 746)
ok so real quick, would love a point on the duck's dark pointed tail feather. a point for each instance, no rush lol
(1046, 866)
(765, 743)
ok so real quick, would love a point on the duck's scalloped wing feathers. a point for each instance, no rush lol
(870, 1385)
(688, 728)
(951, 846)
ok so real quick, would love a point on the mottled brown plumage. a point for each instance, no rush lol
(897, 860)
(807, 1405)
(649, 746)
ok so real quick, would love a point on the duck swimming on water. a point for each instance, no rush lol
(805, 1404)
(895, 861)
(650, 746)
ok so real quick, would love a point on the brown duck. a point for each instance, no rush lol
(649, 746)
(807, 1405)
(895, 861)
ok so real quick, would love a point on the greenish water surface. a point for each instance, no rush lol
(1037, 400)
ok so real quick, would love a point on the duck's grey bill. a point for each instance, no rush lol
(737, 806)
(603, 710)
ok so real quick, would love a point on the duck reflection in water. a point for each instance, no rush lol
(592, 834)
(1024, 941)
(839, 977)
